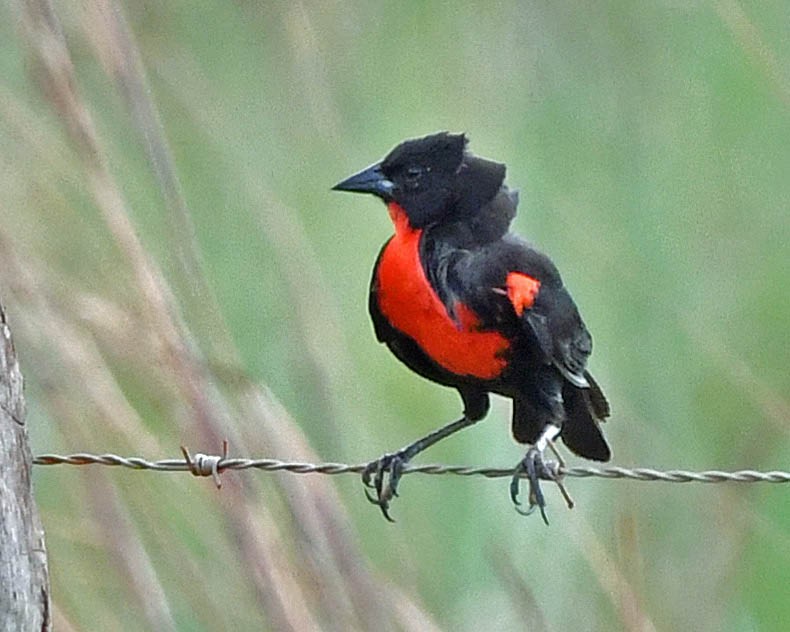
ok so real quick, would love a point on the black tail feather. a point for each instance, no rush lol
(585, 409)
(600, 407)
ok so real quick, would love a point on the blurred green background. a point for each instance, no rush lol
(176, 270)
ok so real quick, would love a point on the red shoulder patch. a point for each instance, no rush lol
(521, 290)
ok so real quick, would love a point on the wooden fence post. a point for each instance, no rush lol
(24, 575)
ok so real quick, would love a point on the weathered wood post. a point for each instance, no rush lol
(24, 576)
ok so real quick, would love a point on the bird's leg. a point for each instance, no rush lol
(535, 468)
(374, 474)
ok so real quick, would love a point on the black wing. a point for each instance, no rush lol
(477, 277)
(556, 324)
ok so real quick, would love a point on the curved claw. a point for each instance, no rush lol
(391, 464)
(366, 475)
(381, 504)
(527, 512)
(534, 467)
(371, 498)
(515, 483)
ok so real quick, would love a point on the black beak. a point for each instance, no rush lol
(370, 180)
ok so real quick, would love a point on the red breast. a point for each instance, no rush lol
(409, 303)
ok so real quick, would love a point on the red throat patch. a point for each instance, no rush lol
(409, 303)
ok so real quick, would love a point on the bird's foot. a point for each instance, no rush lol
(535, 469)
(374, 475)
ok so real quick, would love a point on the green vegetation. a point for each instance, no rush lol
(176, 270)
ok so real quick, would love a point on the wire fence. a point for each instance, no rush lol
(214, 465)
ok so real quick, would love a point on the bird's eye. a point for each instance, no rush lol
(413, 175)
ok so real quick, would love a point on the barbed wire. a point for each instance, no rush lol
(213, 465)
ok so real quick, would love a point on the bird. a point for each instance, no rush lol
(465, 303)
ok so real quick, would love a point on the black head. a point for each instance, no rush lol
(433, 179)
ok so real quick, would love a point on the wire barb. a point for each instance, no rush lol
(212, 465)
(207, 464)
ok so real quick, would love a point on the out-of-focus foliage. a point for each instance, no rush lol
(177, 271)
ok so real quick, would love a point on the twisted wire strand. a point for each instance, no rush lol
(211, 465)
